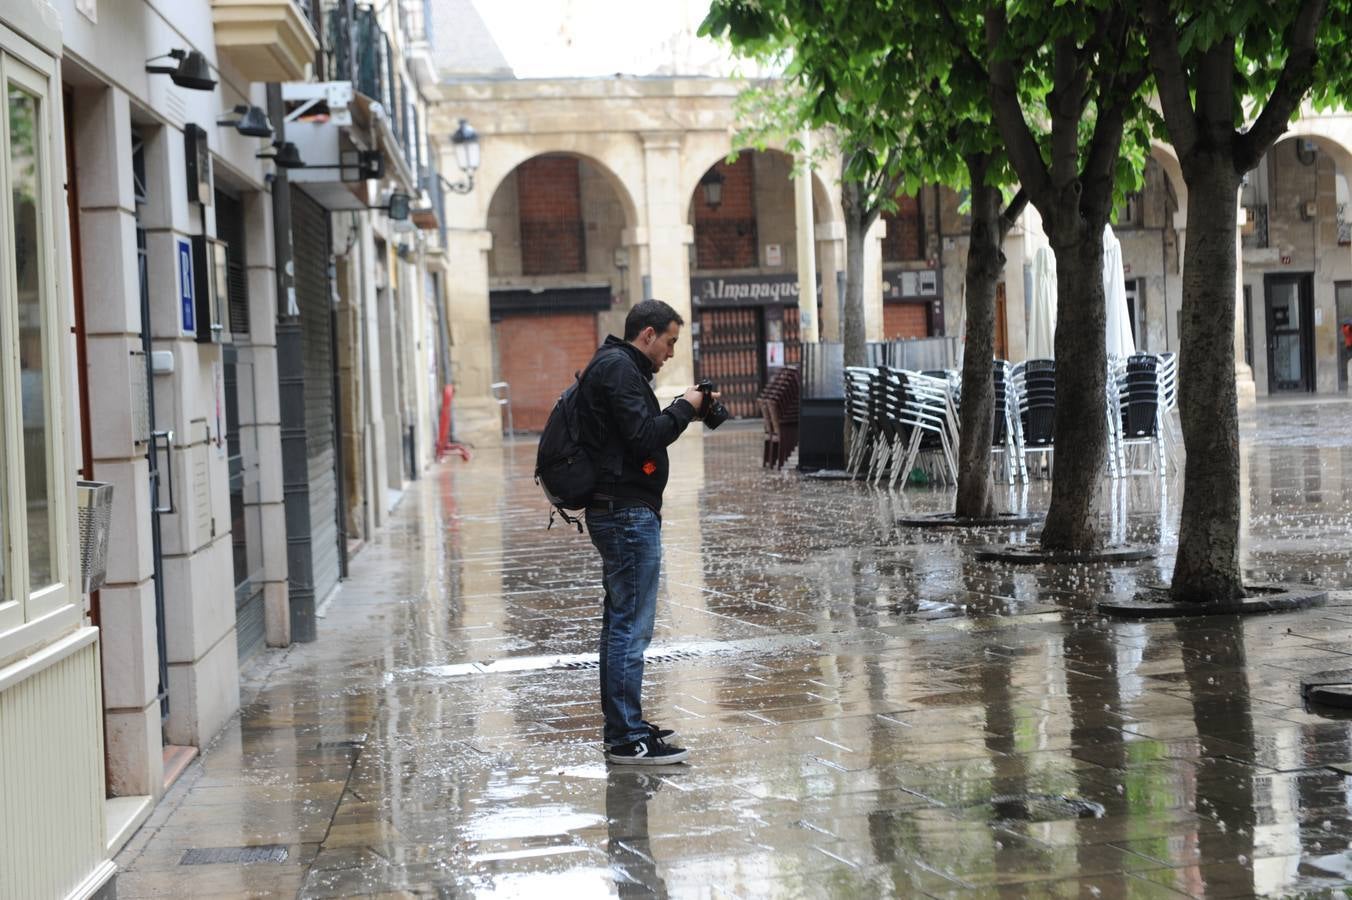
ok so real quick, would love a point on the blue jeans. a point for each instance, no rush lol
(630, 544)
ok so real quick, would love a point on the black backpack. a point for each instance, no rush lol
(564, 468)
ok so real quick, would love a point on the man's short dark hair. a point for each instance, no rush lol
(650, 312)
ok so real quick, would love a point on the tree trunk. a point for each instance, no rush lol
(1081, 431)
(984, 264)
(1207, 567)
(856, 226)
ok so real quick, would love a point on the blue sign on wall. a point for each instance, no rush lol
(186, 298)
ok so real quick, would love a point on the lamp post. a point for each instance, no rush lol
(465, 142)
(712, 184)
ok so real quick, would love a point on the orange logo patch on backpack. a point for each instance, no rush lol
(649, 467)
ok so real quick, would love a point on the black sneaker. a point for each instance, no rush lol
(646, 752)
(661, 734)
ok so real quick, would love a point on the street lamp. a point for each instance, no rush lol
(191, 71)
(465, 141)
(712, 182)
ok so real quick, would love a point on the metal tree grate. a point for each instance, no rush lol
(208, 856)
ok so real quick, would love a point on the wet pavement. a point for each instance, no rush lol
(869, 711)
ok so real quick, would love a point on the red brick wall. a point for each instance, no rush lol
(905, 320)
(725, 238)
(903, 243)
(537, 356)
(549, 203)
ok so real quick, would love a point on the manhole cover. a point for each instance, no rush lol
(207, 856)
(1041, 808)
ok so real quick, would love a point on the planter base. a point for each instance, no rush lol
(1332, 689)
(1032, 555)
(829, 475)
(1266, 597)
(951, 520)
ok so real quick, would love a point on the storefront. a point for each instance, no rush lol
(746, 327)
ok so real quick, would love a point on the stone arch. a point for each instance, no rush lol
(508, 159)
(1326, 135)
(1164, 154)
(825, 207)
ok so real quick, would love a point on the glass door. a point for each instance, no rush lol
(1289, 332)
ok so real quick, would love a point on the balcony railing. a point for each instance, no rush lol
(1344, 224)
(359, 51)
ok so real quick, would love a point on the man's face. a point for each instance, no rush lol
(659, 347)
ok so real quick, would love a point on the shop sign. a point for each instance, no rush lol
(744, 290)
(187, 301)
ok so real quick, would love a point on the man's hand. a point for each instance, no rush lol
(695, 397)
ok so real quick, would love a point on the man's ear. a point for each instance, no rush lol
(648, 335)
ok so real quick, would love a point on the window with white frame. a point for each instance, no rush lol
(35, 527)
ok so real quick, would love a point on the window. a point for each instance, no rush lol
(35, 535)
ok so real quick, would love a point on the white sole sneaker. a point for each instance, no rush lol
(664, 758)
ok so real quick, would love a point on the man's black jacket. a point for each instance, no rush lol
(623, 426)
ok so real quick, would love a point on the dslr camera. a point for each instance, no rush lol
(713, 412)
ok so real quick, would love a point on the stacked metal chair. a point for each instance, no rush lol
(1035, 390)
(779, 413)
(859, 416)
(1007, 437)
(1139, 413)
(929, 420)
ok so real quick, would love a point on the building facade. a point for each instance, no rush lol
(223, 265)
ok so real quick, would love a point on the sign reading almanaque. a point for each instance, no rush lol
(744, 290)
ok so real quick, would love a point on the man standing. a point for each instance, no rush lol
(627, 433)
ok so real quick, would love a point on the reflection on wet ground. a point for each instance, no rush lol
(870, 712)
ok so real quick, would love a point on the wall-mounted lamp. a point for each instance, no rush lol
(398, 207)
(712, 184)
(465, 142)
(251, 121)
(191, 71)
(1306, 151)
(285, 155)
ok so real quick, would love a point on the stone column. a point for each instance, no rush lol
(831, 263)
(873, 280)
(117, 386)
(261, 421)
(668, 239)
(1245, 390)
(476, 415)
(805, 234)
(199, 596)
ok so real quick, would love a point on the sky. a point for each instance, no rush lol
(580, 38)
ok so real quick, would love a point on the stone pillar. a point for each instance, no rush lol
(668, 239)
(477, 417)
(873, 280)
(805, 234)
(199, 596)
(1246, 391)
(830, 264)
(261, 421)
(117, 384)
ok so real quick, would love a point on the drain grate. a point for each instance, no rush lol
(587, 661)
(1040, 808)
(209, 856)
(582, 665)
